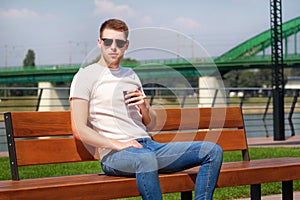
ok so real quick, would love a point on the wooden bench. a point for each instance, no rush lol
(36, 138)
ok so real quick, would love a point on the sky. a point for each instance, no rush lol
(66, 32)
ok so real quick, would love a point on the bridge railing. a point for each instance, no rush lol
(256, 104)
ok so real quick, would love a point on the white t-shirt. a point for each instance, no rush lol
(108, 114)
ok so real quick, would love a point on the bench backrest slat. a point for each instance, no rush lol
(46, 137)
(199, 118)
(229, 140)
(52, 150)
(39, 124)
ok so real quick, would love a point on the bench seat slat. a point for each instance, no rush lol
(256, 171)
(260, 171)
(70, 187)
(78, 186)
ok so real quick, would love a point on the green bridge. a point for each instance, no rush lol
(251, 54)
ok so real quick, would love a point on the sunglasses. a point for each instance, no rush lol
(108, 42)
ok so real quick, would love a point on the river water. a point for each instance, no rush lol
(257, 127)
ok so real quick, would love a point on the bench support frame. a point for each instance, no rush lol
(11, 147)
(287, 190)
(187, 195)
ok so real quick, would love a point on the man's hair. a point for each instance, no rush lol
(114, 24)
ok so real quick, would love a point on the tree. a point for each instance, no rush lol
(232, 78)
(248, 79)
(28, 62)
(29, 59)
(265, 77)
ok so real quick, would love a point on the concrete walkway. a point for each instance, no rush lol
(275, 197)
(293, 141)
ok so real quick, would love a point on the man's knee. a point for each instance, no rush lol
(214, 150)
(218, 151)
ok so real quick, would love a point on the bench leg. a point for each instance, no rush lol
(256, 192)
(287, 190)
(187, 195)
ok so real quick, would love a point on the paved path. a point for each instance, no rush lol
(269, 142)
(275, 197)
(3, 154)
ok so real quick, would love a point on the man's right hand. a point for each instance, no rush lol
(123, 145)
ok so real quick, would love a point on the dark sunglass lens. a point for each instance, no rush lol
(107, 42)
(120, 43)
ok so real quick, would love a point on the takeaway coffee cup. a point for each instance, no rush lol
(125, 93)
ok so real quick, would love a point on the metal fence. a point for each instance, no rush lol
(256, 104)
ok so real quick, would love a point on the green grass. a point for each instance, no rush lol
(256, 101)
(220, 194)
(24, 103)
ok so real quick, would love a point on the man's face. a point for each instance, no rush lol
(113, 44)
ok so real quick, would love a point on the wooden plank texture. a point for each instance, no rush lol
(85, 186)
(199, 118)
(53, 150)
(38, 124)
(229, 140)
(47, 150)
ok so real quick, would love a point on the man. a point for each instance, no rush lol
(109, 111)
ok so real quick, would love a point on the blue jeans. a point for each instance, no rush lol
(146, 163)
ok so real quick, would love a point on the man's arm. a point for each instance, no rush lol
(148, 115)
(79, 116)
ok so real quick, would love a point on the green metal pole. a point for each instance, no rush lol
(295, 43)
